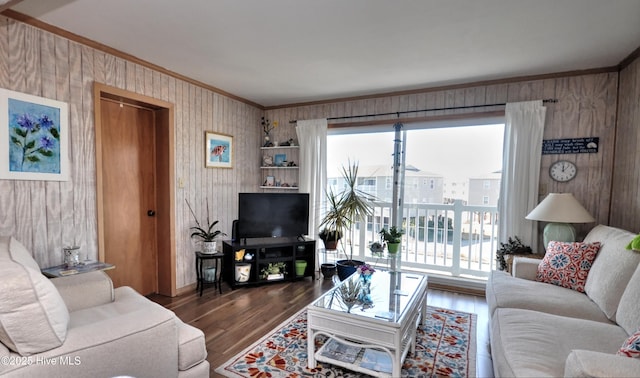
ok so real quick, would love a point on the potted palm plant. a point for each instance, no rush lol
(346, 209)
(206, 234)
(334, 221)
(393, 237)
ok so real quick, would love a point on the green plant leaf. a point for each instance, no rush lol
(15, 141)
(30, 144)
(54, 133)
(33, 159)
(20, 132)
(46, 153)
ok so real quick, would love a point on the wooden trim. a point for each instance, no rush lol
(97, 120)
(165, 181)
(189, 289)
(390, 121)
(629, 59)
(120, 54)
(516, 79)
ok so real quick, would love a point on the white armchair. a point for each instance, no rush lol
(78, 326)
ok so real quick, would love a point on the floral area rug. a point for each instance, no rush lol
(446, 347)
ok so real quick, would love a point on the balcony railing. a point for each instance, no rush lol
(453, 239)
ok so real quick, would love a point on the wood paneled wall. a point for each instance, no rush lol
(586, 107)
(625, 199)
(47, 215)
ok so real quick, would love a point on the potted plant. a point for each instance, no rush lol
(206, 234)
(376, 247)
(344, 210)
(334, 221)
(393, 237)
(274, 271)
(512, 246)
(330, 238)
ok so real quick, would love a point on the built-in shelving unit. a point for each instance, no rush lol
(277, 171)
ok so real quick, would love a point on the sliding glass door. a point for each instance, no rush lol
(446, 189)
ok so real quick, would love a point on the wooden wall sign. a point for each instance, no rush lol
(570, 146)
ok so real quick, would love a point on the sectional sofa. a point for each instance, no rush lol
(79, 326)
(540, 329)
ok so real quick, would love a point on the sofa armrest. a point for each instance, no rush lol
(85, 290)
(525, 267)
(586, 363)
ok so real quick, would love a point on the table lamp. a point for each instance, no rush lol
(560, 210)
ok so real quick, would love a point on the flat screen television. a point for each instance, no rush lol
(263, 215)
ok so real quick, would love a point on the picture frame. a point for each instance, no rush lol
(218, 150)
(270, 181)
(279, 159)
(35, 132)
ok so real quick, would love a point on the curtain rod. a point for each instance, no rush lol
(548, 100)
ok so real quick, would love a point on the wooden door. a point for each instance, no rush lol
(129, 195)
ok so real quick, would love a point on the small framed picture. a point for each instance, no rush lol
(218, 150)
(270, 181)
(279, 159)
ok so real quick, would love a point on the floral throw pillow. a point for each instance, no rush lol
(567, 264)
(631, 347)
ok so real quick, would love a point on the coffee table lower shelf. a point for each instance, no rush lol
(371, 359)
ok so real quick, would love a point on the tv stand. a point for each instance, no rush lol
(264, 251)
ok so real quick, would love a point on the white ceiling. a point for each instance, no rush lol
(276, 52)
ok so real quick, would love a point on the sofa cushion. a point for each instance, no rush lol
(628, 314)
(585, 363)
(567, 264)
(18, 252)
(33, 316)
(631, 346)
(527, 343)
(504, 290)
(602, 286)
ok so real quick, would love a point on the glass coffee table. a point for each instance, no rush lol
(371, 339)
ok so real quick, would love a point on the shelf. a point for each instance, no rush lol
(279, 187)
(276, 167)
(278, 147)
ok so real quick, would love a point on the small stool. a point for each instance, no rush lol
(201, 281)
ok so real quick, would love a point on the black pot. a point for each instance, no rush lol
(347, 268)
(328, 270)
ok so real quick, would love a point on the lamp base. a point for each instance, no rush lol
(562, 232)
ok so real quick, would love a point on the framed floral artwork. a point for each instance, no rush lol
(218, 150)
(34, 137)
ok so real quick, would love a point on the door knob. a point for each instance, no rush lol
(151, 213)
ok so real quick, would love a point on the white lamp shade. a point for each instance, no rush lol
(560, 208)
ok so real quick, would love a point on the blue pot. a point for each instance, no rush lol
(347, 268)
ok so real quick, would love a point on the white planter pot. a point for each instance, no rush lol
(210, 274)
(209, 247)
(242, 272)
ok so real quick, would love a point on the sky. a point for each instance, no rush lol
(454, 152)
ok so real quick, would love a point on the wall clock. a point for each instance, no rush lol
(563, 170)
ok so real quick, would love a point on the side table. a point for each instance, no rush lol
(84, 267)
(201, 279)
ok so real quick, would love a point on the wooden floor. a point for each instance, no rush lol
(233, 320)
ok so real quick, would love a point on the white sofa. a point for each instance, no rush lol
(542, 330)
(79, 326)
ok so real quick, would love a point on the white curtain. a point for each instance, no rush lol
(312, 137)
(524, 126)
